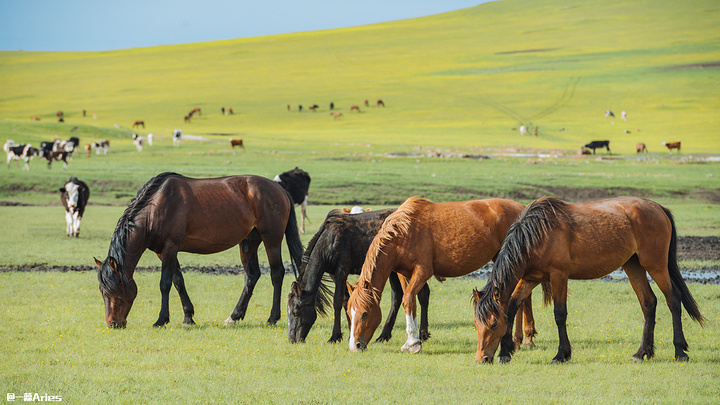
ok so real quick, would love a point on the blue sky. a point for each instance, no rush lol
(96, 25)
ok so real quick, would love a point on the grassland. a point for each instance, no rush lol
(456, 84)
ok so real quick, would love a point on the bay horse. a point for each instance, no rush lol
(173, 213)
(420, 240)
(555, 241)
(139, 123)
(337, 250)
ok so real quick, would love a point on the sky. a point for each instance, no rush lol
(98, 25)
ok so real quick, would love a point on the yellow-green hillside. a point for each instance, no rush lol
(459, 79)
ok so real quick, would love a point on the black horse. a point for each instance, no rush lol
(338, 249)
(173, 213)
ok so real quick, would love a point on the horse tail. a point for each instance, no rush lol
(678, 282)
(292, 238)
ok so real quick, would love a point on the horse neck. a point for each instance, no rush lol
(313, 274)
(134, 248)
(377, 277)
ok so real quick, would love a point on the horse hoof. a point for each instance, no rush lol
(415, 348)
(229, 321)
(637, 359)
(504, 359)
(683, 359)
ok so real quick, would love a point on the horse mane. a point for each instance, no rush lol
(527, 233)
(109, 283)
(395, 225)
(323, 298)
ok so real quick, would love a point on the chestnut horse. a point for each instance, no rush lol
(173, 213)
(554, 241)
(420, 240)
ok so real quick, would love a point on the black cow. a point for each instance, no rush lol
(598, 144)
(338, 249)
(74, 196)
(297, 183)
(23, 152)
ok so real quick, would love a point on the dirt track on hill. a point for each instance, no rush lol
(689, 248)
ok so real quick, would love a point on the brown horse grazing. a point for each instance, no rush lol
(139, 123)
(354, 108)
(420, 240)
(554, 241)
(173, 213)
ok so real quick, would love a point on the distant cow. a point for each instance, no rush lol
(88, 149)
(138, 141)
(24, 152)
(74, 196)
(236, 142)
(672, 145)
(297, 183)
(523, 130)
(598, 144)
(101, 146)
(177, 134)
(640, 147)
(54, 151)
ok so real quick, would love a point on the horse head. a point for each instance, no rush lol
(301, 314)
(491, 325)
(118, 292)
(365, 314)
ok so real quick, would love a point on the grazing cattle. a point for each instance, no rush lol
(623, 115)
(354, 108)
(297, 183)
(313, 107)
(53, 151)
(338, 249)
(138, 124)
(177, 134)
(74, 195)
(102, 146)
(672, 145)
(337, 115)
(523, 130)
(138, 142)
(88, 149)
(609, 113)
(24, 152)
(236, 142)
(640, 147)
(380, 103)
(598, 144)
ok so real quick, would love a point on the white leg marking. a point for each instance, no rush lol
(413, 344)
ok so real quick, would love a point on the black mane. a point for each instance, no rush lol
(528, 231)
(109, 283)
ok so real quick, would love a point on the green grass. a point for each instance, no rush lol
(56, 343)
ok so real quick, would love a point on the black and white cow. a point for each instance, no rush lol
(52, 151)
(74, 195)
(177, 134)
(297, 183)
(17, 152)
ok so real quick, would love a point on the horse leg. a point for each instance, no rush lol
(395, 302)
(188, 308)
(277, 274)
(529, 329)
(648, 303)
(518, 337)
(519, 295)
(559, 291)
(169, 263)
(424, 298)
(672, 297)
(338, 304)
(418, 279)
(251, 267)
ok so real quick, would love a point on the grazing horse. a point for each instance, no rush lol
(236, 142)
(338, 249)
(380, 103)
(354, 108)
(598, 144)
(297, 183)
(195, 110)
(672, 145)
(74, 195)
(139, 123)
(187, 119)
(554, 241)
(173, 213)
(337, 115)
(420, 240)
(640, 147)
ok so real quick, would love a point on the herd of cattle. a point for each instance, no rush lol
(56, 150)
(639, 147)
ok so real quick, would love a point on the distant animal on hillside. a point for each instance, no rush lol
(195, 110)
(74, 195)
(609, 113)
(523, 130)
(177, 134)
(354, 108)
(672, 145)
(187, 119)
(34, 118)
(139, 123)
(150, 138)
(55, 150)
(297, 183)
(138, 141)
(88, 149)
(623, 115)
(337, 115)
(313, 107)
(598, 144)
(584, 151)
(24, 152)
(60, 114)
(101, 146)
(380, 103)
(640, 147)
(236, 142)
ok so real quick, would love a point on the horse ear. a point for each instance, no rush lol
(113, 264)
(496, 295)
(350, 287)
(97, 262)
(475, 295)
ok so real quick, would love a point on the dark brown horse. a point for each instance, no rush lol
(554, 241)
(420, 240)
(173, 213)
(139, 123)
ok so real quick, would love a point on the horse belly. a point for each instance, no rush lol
(206, 237)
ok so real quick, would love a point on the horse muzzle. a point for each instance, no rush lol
(117, 325)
